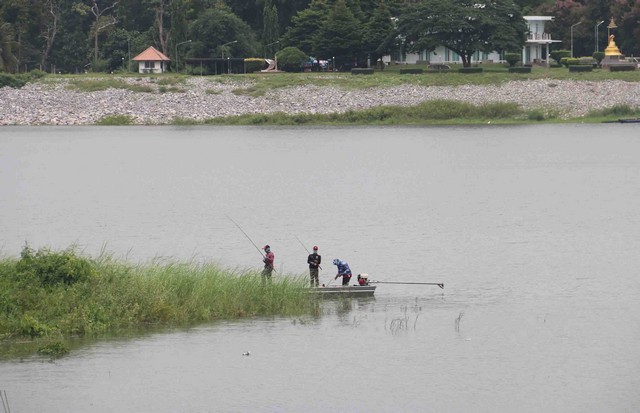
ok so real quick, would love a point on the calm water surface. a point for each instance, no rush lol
(533, 230)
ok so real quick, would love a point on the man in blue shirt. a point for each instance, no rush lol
(343, 271)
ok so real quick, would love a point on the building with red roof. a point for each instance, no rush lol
(152, 61)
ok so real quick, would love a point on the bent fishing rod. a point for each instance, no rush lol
(308, 252)
(441, 285)
(249, 238)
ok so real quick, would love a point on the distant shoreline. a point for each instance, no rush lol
(196, 99)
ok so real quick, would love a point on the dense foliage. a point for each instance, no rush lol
(464, 26)
(76, 35)
(51, 295)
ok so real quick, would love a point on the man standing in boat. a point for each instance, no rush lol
(314, 262)
(343, 271)
(269, 257)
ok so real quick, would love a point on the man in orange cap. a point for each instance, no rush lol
(314, 262)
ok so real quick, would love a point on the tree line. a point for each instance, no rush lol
(71, 36)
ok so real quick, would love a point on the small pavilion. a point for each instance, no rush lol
(152, 61)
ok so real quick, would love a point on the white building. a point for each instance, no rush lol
(151, 61)
(535, 50)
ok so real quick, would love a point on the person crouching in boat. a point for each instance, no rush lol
(343, 271)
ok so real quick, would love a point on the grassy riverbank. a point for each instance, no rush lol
(49, 296)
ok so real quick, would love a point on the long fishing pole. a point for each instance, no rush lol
(5, 401)
(245, 234)
(441, 285)
(308, 252)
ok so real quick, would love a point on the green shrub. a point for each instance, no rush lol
(598, 56)
(416, 71)
(622, 68)
(536, 115)
(498, 110)
(254, 64)
(291, 59)
(512, 58)
(36, 74)
(52, 268)
(28, 326)
(119, 120)
(569, 61)
(470, 70)
(557, 55)
(520, 69)
(361, 71)
(587, 60)
(54, 350)
(11, 81)
(617, 110)
(580, 68)
(100, 66)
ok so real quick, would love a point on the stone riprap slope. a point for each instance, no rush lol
(54, 103)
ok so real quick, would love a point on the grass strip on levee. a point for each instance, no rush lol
(50, 296)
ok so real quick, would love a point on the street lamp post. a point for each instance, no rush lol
(267, 46)
(598, 40)
(228, 58)
(572, 36)
(265, 52)
(177, 66)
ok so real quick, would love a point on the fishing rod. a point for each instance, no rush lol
(245, 234)
(308, 252)
(441, 285)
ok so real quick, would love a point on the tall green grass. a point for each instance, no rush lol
(436, 111)
(116, 120)
(616, 111)
(54, 295)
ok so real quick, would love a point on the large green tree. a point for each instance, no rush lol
(8, 60)
(250, 11)
(463, 26)
(271, 30)
(379, 36)
(304, 25)
(340, 36)
(217, 27)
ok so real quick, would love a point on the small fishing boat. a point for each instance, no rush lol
(345, 291)
(623, 121)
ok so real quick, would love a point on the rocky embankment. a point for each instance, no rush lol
(54, 103)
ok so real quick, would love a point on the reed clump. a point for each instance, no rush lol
(116, 120)
(615, 111)
(435, 111)
(53, 295)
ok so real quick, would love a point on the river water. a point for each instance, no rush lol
(532, 229)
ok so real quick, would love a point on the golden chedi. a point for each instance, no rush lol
(612, 48)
